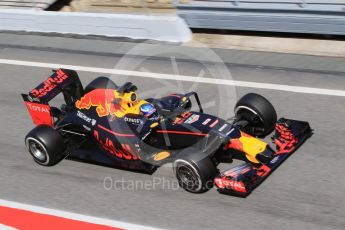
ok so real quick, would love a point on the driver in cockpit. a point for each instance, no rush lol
(149, 111)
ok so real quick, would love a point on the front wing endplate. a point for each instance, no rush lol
(241, 180)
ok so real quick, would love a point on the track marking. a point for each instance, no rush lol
(216, 81)
(31, 210)
(4, 227)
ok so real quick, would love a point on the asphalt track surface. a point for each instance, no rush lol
(306, 192)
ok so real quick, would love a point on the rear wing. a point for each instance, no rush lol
(61, 81)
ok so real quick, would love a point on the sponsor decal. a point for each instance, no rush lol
(223, 127)
(192, 119)
(49, 84)
(161, 156)
(38, 108)
(87, 128)
(40, 113)
(146, 135)
(214, 123)
(236, 185)
(93, 122)
(137, 146)
(180, 119)
(132, 120)
(108, 145)
(228, 133)
(84, 117)
(274, 160)
(207, 121)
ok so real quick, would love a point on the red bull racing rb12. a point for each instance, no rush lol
(109, 125)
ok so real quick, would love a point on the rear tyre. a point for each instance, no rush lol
(45, 145)
(100, 83)
(195, 177)
(259, 112)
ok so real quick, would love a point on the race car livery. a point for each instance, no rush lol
(109, 125)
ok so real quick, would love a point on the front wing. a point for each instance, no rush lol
(241, 180)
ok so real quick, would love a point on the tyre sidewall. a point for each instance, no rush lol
(50, 140)
(204, 169)
(259, 105)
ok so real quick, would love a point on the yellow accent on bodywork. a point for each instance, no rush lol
(252, 147)
(127, 105)
(154, 125)
(161, 156)
(132, 108)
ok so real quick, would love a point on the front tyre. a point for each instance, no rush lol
(195, 177)
(45, 145)
(259, 112)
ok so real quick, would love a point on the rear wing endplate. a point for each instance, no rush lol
(61, 81)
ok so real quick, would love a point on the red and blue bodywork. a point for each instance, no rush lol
(104, 126)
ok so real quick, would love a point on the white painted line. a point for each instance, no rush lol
(4, 227)
(73, 216)
(217, 81)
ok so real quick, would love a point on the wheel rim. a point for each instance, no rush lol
(189, 179)
(37, 150)
(239, 110)
(258, 121)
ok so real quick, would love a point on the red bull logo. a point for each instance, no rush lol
(49, 84)
(125, 152)
(102, 99)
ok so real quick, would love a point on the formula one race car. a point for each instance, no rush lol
(108, 125)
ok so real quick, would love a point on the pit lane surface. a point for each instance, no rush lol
(307, 191)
